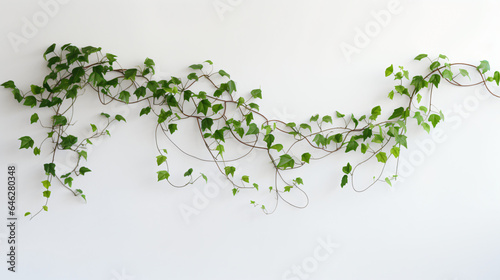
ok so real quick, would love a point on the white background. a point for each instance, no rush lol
(441, 223)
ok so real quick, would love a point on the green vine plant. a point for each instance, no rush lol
(226, 119)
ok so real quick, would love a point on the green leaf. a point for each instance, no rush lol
(248, 118)
(50, 169)
(240, 101)
(401, 139)
(320, 140)
(420, 56)
(397, 113)
(45, 208)
(83, 154)
(314, 118)
(345, 179)
(496, 77)
(9, 84)
(176, 81)
(327, 119)
(337, 138)
(376, 111)
(203, 106)
(46, 194)
(36, 89)
(277, 147)
(163, 116)
(163, 175)
(389, 70)
(96, 79)
(401, 89)
(36, 151)
(216, 108)
(435, 65)
(256, 93)
(196, 66)
(367, 133)
(220, 149)
(160, 159)
(464, 73)
(419, 83)
(306, 126)
(252, 129)
(68, 141)
(231, 87)
(94, 127)
(120, 118)
(34, 118)
(111, 58)
(59, 120)
(149, 62)
(245, 179)
(229, 170)
(434, 119)
(352, 145)
(219, 135)
(418, 117)
(124, 96)
(269, 139)
(46, 184)
(130, 74)
(364, 147)
(447, 74)
(287, 188)
(209, 62)
(299, 181)
(206, 124)
(378, 138)
(235, 191)
(382, 157)
(254, 106)
(140, 92)
(286, 161)
(68, 181)
(204, 177)
(145, 111)
(106, 115)
(26, 142)
(50, 49)
(347, 169)
(435, 79)
(84, 170)
(192, 76)
(426, 126)
(189, 172)
(224, 73)
(395, 151)
(27, 214)
(152, 86)
(306, 157)
(484, 66)
(391, 95)
(388, 181)
(172, 127)
(30, 101)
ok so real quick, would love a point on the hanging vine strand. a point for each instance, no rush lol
(226, 119)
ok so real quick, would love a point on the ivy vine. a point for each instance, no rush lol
(226, 119)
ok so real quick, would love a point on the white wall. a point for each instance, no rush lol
(441, 223)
